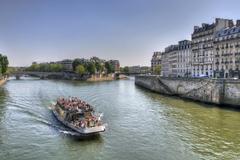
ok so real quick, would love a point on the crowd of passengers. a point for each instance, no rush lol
(74, 103)
(88, 122)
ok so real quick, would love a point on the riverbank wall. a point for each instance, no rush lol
(215, 91)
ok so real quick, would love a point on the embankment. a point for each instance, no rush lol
(2, 81)
(216, 91)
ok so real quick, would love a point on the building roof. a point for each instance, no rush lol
(227, 31)
(204, 27)
(171, 48)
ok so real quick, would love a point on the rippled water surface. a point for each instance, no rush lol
(141, 125)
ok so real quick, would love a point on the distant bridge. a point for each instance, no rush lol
(60, 75)
(41, 75)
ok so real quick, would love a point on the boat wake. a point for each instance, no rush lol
(59, 128)
(70, 133)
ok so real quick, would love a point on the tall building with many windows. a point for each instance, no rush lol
(116, 65)
(169, 61)
(202, 46)
(165, 65)
(184, 58)
(156, 60)
(67, 64)
(227, 52)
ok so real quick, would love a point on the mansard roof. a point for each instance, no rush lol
(205, 27)
(227, 31)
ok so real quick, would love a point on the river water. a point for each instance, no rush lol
(141, 125)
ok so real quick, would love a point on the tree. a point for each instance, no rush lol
(126, 69)
(34, 67)
(91, 68)
(75, 63)
(79, 61)
(4, 64)
(80, 69)
(44, 67)
(98, 66)
(11, 70)
(157, 69)
(109, 67)
(56, 67)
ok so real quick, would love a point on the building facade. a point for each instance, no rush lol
(156, 60)
(171, 52)
(165, 64)
(202, 46)
(139, 69)
(227, 52)
(134, 69)
(67, 64)
(184, 58)
(116, 65)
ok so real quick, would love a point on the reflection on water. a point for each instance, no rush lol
(141, 124)
(211, 129)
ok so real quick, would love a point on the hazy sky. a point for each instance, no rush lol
(127, 30)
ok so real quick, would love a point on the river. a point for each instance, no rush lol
(141, 125)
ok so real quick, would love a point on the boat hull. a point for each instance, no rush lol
(84, 132)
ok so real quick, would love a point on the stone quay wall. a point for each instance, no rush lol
(216, 91)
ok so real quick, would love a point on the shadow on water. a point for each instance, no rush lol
(77, 137)
(209, 130)
(3, 97)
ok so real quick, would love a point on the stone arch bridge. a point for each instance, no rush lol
(41, 75)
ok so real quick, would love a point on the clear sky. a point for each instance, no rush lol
(127, 30)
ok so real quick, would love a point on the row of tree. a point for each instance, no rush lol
(124, 69)
(80, 66)
(3, 64)
(46, 67)
(92, 66)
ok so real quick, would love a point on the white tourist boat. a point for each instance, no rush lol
(78, 118)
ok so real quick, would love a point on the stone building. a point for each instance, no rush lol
(116, 65)
(184, 58)
(202, 46)
(165, 64)
(227, 52)
(134, 69)
(67, 64)
(171, 61)
(139, 69)
(156, 60)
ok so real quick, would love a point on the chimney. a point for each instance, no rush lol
(217, 20)
(238, 23)
(204, 25)
(231, 24)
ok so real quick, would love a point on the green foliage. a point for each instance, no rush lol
(3, 63)
(91, 67)
(109, 67)
(125, 69)
(79, 61)
(98, 66)
(80, 69)
(56, 67)
(157, 69)
(11, 70)
(46, 67)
